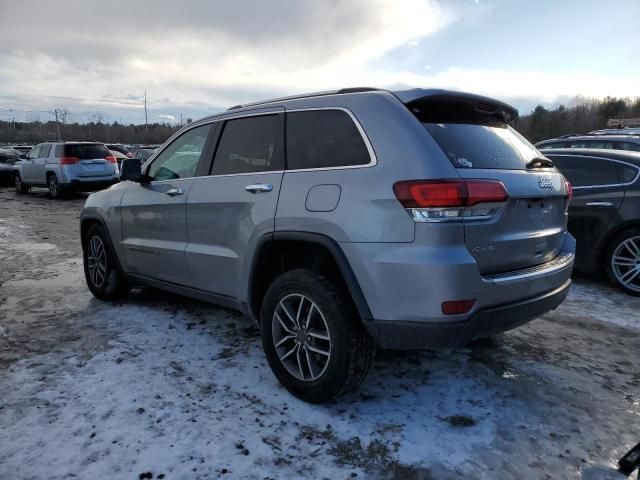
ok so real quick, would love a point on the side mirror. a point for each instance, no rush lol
(131, 169)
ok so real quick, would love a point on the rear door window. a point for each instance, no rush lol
(633, 147)
(587, 172)
(250, 144)
(324, 139)
(627, 173)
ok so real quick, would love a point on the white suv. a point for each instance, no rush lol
(66, 167)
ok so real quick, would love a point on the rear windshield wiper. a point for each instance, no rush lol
(539, 162)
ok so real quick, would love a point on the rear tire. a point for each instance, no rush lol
(20, 187)
(623, 261)
(319, 369)
(101, 270)
(56, 190)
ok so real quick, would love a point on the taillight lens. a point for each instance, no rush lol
(457, 307)
(69, 160)
(439, 200)
(110, 159)
(568, 190)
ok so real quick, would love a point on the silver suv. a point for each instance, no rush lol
(340, 221)
(66, 167)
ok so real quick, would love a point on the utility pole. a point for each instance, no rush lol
(180, 119)
(55, 110)
(146, 121)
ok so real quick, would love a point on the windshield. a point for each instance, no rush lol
(495, 146)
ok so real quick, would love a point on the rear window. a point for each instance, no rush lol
(496, 146)
(474, 132)
(83, 151)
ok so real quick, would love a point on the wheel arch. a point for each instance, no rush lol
(275, 249)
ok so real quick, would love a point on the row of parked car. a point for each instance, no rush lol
(65, 167)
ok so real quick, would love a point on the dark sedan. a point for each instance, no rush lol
(604, 215)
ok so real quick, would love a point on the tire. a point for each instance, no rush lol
(108, 282)
(348, 350)
(56, 190)
(623, 261)
(20, 187)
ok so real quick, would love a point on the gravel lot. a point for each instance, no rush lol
(160, 386)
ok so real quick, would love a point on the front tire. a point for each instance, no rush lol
(312, 336)
(623, 261)
(20, 187)
(101, 270)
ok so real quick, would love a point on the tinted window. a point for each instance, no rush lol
(584, 171)
(323, 139)
(601, 144)
(86, 151)
(627, 173)
(634, 147)
(482, 146)
(249, 145)
(180, 159)
(554, 145)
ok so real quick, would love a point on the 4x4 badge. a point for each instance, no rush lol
(545, 183)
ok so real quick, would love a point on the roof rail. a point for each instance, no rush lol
(342, 91)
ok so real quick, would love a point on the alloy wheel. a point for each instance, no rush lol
(625, 263)
(53, 186)
(301, 337)
(97, 261)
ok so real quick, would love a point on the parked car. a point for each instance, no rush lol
(23, 150)
(118, 147)
(604, 215)
(617, 131)
(7, 159)
(142, 153)
(65, 167)
(607, 142)
(405, 219)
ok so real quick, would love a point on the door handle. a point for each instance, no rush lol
(599, 204)
(259, 188)
(174, 191)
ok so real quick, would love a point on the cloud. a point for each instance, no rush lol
(165, 116)
(195, 51)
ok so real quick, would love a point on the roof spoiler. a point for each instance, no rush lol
(419, 98)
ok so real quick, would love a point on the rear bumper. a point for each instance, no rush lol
(91, 185)
(483, 323)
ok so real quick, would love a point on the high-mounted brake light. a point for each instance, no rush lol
(439, 200)
(69, 160)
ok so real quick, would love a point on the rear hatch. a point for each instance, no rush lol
(87, 159)
(528, 228)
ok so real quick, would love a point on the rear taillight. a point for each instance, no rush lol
(110, 159)
(457, 199)
(568, 190)
(69, 160)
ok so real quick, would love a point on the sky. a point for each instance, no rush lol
(197, 57)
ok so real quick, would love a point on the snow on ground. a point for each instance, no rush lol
(162, 384)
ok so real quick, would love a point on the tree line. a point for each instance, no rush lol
(583, 116)
(36, 132)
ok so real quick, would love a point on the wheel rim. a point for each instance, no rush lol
(97, 261)
(301, 337)
(18, 182)
(625, 263)
(53, 186)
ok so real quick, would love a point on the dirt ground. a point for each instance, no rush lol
(159, 386)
